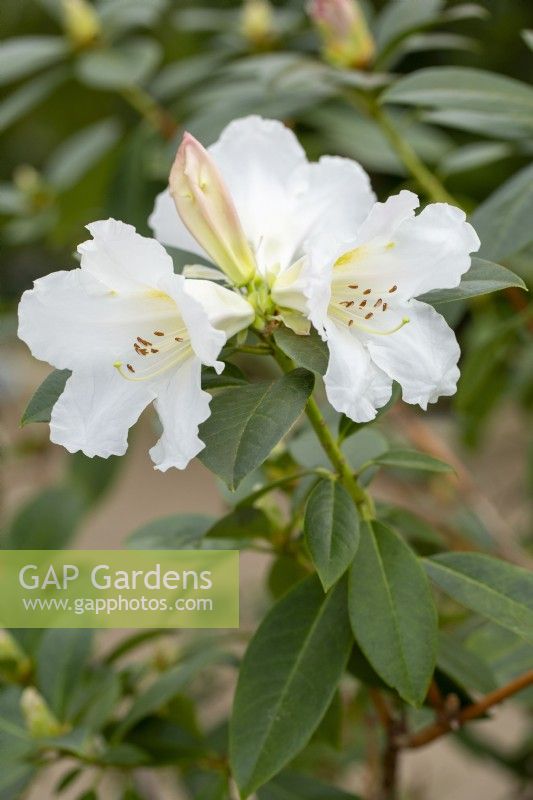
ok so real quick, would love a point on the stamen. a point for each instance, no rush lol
(130, 368)
(353, 286)
(378, 302)
(153, 350)
(350, 323)
(369, 315)
(178, 338)
(144, 342)
(367, 291)
(362, 304)
(384, 307)
(392, 289)
(347, 303)
(159, 333)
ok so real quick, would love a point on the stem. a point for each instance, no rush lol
(427, 181)
(438, 729)
(153, 113)
(331, 447)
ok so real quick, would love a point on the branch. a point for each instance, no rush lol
(440, 728)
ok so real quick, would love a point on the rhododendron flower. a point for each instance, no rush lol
(250, 201)
(360, 297)
(131, 331)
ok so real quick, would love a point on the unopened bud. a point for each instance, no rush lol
(347, 41)
(207, 210)
(14, 664)
(40, 721)
(81, 22)
(257, 22)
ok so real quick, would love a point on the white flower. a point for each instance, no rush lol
(252, 200)
(360, 297)
(132, 332)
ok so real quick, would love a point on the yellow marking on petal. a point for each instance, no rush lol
(350, 256)
(390, 246)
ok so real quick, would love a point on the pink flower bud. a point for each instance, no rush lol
(207, 210)
(347, 42)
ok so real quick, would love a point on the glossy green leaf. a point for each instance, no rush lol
(41, 404)
(397, 20)
(411, 459)
(503, 221)
(306, 351)
(331, 530)
(292, 786)
(23, 55)
(488, 586)
(175, 532)
(392, 612)
(127, 64)
(61, 657)
(483, 277)
(287, 680)
(247, 422)
(466, 89)
(77, 154)
(246, 522)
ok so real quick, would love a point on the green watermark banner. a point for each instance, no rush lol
(119, 589)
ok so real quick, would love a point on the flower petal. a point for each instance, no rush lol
(122, 259)
(354, 385)
(414, 253)
(168, 228)
(181, 405)
(226, 310)
(71, 320)
(422, 356)
(96, 410)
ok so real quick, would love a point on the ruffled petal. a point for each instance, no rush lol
(168, 228)
(414, 254)
(71, 320)
(96, 410)
(182, 406)
(354, 385)
(226, 310)
(422, 357)
(122, 259)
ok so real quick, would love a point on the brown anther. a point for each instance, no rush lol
(353, 286)
(144, 342)
(392, 289)
(350, 323)
(130, 368)
(367, 291)
(347, 303)
(153, 350)
(369, 315)
(178, 338)
(378, 302)
(384, 307)
(141, 351)
(362, 304)
(159, 333)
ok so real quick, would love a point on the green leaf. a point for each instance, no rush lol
(463, 665)
(164, 688)
(94, 476)
(41, 404)
(247, 422)
(232, 376)
(503, 221)
(48, 521)
(166, 741)
(61, 657)
(482, 277)
(25, 54)
(75, 156)
(22, 100)
(15, 742)
(331, 530)
(306, 351)
(244, 522)
(392, 612)
(473, 156)
(126, 65)
(397, 20)
(287, 680)
(492, 588)
(292, 786)
(467, 89)
(411, 459)
(175, 532)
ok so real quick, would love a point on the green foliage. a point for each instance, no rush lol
(483, 277)
(331, 530)
(41, 404)
(392, 613)
(287, 680)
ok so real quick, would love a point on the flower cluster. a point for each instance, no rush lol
(299, 243)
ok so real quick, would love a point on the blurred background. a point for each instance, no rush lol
(93, 101)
